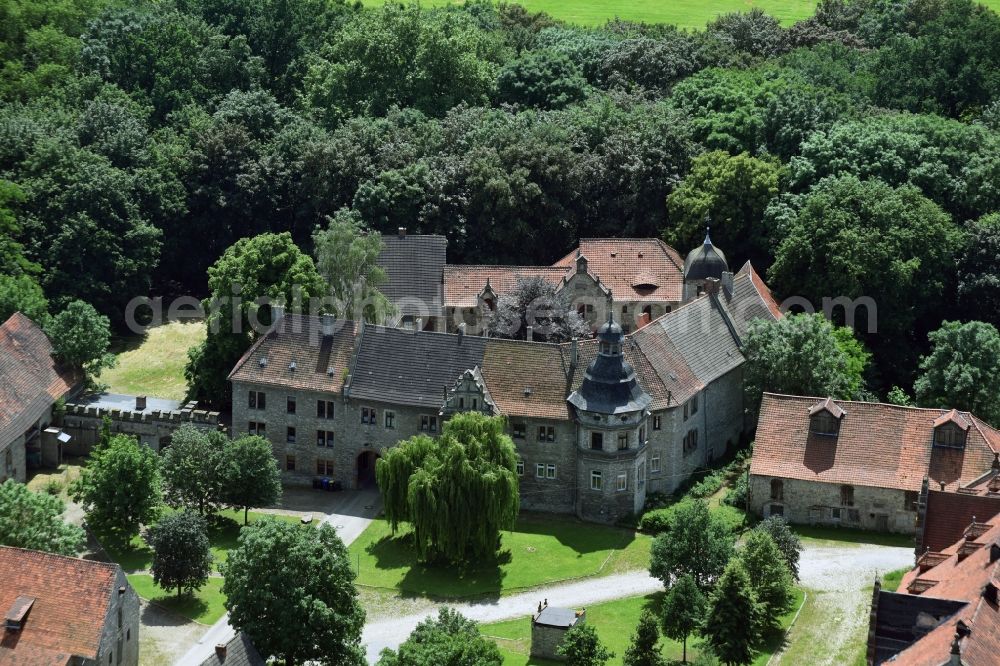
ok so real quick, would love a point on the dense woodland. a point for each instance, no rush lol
(854, 153)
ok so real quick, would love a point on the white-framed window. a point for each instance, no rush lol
(539, 470)
(257, 400)
(517, 430)
(621, 483)
(550, 471)
(520, 468)
(596, 480)
(654, 464)
(324, 409)
(428, 423)
(390, 419)
(546, 434)
(257, 428)
(324, 438)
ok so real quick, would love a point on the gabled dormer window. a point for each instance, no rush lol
(950, 430)
(825, 417)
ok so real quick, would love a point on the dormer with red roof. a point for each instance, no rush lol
(950, 430)
(824, 418)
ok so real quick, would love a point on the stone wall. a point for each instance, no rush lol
(545, 639)
(818, 503)
(13, 463)
(120, 643)
(153, 428)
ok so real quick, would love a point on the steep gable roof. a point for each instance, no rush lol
(948, 514)
(71, 600)
(879, 445)
(320, 361)
(414, 267)
(634, 269)
(464, 283)
(526, 379)
(30, 378)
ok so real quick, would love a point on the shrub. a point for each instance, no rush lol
(707, 486)
(655, 521)
(737, 495)
(53, 487)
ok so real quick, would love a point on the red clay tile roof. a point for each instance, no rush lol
(630, 266)
(320, 361)
(30, 379)
(879, 445)
(526, 378)
(952, 417)
(463, 284)
(71, 603)
(827, 405)
(960, 580)
(949, 514)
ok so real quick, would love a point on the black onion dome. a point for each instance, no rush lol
(705, 262)
(610, 385)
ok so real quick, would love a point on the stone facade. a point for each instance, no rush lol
(151, 428)
(548, 629)
(815, 503)
(120, 634)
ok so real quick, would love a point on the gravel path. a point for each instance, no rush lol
(349, 512)
(834, 622)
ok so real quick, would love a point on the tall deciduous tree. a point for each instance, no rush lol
(192, 475)
(770, 578)
(347, 258)
(979, 269)
(458, 492)
(582, 647)
(81, 337)
(250, 475)
(732, 622)
(450, 638)
(694, 543)
(963, 370)
(120, 488)
(543, 79)
(280, 571)
(798, 355)
(785, 539)
(34, 521)
(683, 610)
(534, 302)
(182, 555)
(21, 293)
(643, 650)
(268, 266)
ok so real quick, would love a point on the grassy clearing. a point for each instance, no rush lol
(891, 580)
(540, 550)
(223, 531)
(818, 535)
(615, 622)
(153, 364)
(206, 605)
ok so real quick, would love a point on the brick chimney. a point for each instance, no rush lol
(220, 651)
(140, 403)
(711, 285)
(401, 232)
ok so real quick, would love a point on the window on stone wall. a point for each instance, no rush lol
(622, 441)
(290, 405)
(257, 400)
(428, 423)
(597, 441)
(621, 483)
(657, 423)
(686, 408)
(546, 434)
(324, 438)
(390, 419)
(654, 464)
(640, 476)
(539, 470)
(520, 468)
(290, 462)
(290, 435)
(694, 405)
(257, 428)
(776, 510)
(119, 617)
(690, 441)
(642, 435)
(847, 496)
(324, 409)
(550, 471)
(517, 430)
(324, 467)
(369, 415)
(596, 480)
(910, 500)
(777, 489)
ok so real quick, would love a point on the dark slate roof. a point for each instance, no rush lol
(240, 651)
(320, 361)
(610, 385)
(551, 616)
(750, 299)
(704, 262)
(902, 619)
(414, 268)
(412, 368)
(702, 336)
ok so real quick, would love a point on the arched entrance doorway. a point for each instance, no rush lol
(366, 469)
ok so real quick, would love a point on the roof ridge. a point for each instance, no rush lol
(107, 565)
(915, 408)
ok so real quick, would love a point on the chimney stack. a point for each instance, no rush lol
(420, 324)
(327, 325)
(220, 651)
(402, 232)
(711, 285)
(461, 332)
(574, 354)
(140, 403)
(531, 334)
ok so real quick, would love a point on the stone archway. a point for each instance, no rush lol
(365, 465)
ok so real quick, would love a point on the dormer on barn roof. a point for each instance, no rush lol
(951, 430)
(824, 418)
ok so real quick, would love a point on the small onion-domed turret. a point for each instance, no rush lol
(705, 262)
(610, 385)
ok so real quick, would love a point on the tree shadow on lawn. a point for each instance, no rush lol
(131, 553)
(187, 605)
(439, 580)
(575, 534)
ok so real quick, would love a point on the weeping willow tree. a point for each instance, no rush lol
(457, 491)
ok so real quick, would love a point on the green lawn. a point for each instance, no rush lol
(153, 364)
(891, 580)
(206, 605)
(615, 622)
(222, 534)
(541, 550)
(822, 535)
